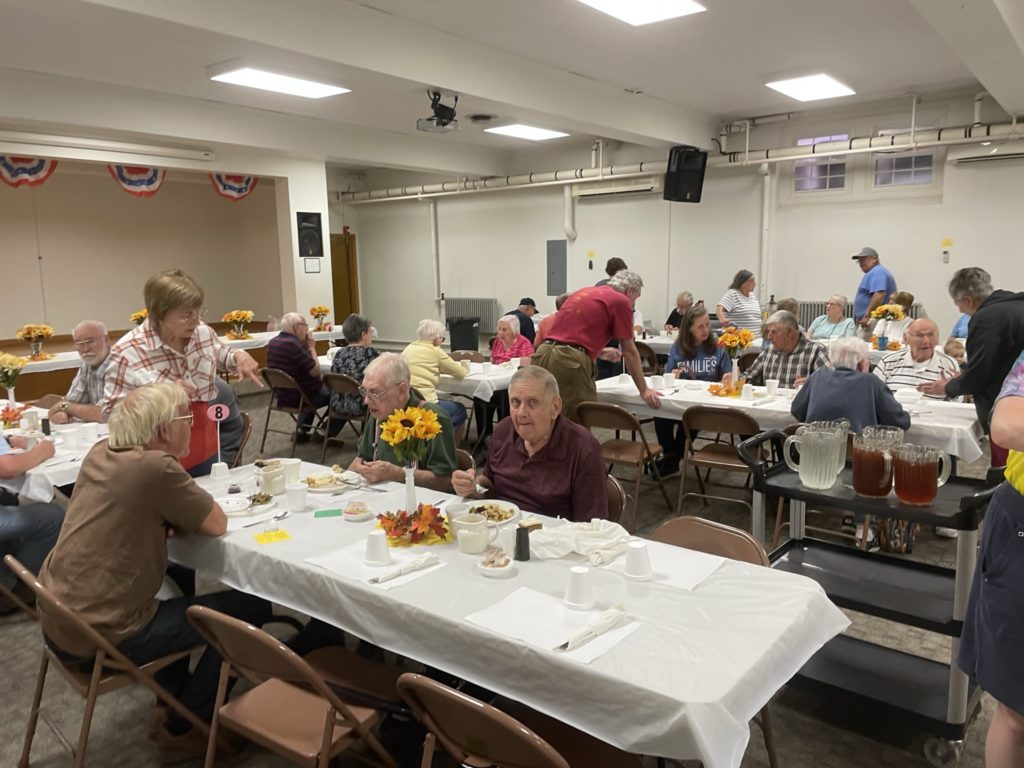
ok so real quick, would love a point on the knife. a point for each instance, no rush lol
(599, 626)
(419, 563)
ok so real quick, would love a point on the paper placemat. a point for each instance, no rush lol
(544, 622)
(348, 562)
(675, 566)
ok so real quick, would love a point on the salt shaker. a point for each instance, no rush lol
(522, 544)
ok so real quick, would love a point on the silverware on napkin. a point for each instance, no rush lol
(599, 626)
(419, 563)
(762, 401)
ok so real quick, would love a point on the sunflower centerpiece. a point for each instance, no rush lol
(139, 317)
(10, 367)
(239, 319)
(35, 334)
(734, 341)
(320, 313)
(886, 312)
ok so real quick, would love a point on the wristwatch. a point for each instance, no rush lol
(63, 406)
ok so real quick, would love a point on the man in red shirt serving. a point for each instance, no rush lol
(579, 332)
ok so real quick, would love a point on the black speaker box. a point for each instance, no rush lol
(311, 238)
(684, 177)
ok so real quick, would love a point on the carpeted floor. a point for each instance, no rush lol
(810, 732)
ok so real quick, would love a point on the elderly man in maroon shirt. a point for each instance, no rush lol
(293, 351)
(579, 332)
(538, 459)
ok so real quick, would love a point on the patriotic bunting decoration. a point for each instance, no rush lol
(138, 180)
(232, 186)
(30, 171)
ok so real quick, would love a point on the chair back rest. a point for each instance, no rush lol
(464, 459)
(616, 499)
(246, 431)
(472, 732)
(593, 415)
(648, 359)
(728, 421)
(746, 360)
(278, 379)
(48, 401)
(465, 354)
(713, 538)
(259, 656)
(81, 633)
(342, 383)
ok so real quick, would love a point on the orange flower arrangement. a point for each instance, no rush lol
(35, 334)
(320, 312)
(11, 417)
(734, 341)
(239, 318)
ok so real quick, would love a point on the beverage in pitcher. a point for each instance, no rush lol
(918, 472)
(872, 470)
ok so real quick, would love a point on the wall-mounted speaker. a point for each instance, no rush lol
(684, 177)
(311, 238)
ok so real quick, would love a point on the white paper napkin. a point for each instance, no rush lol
(418, 564)
(594, 629)
(675, 566)
(597, 540)
(348, 562)
(544, 622)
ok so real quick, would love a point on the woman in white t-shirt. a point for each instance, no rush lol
(739, 306)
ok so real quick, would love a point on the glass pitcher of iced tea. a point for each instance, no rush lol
(918, 471)
(872, 460)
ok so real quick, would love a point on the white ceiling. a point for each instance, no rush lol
(554, 63)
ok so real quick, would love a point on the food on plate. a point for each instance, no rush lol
(323, 481)
(234, 488)
(356, 508)
(531, 524)
(495, 513)
(495, 558)
(258, 499)
(337, 469)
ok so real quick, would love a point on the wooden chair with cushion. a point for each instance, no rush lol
(465, 354)
(746, 360)
(279, 381)
(246, 432)
(619, 451)
(725, 541)
(105, 669)
(616, 499)
(648, 359)
(723, 421)
(290, 710)
(341, 384)
(477, 734)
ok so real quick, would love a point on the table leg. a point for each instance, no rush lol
(797, 517)
(757, 524)
(966, 557)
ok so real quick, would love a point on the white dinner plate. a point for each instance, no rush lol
(476, 507)
(339, 484)
(240, 506)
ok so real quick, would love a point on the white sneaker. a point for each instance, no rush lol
(946, 533)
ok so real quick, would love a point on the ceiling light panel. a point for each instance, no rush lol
(811, 88)
(520, 131)
(253, 77)
(640, 12)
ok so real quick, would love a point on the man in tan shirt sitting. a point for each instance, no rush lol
(109, 561)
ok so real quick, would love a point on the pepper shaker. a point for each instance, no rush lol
(522, 544)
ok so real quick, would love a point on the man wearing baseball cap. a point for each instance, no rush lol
(525, 311)
(875, 288)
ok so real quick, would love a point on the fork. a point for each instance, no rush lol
(281, 516)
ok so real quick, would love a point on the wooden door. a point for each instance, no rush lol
(344, 276)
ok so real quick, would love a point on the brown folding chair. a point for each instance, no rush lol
(20, 604)
(477, 734)
(106, 669)
(246, 432)
(290, 710)
(648, 359)
(464, 459)
(725, 421)
(618, 451)
(616, 499)
(725, 541)
(47, 401)
(465, 354)
(341, 384)
(279, 381)
(746, 360)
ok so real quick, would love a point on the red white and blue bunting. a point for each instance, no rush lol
(30, 171)
(138, 180)
(232, 186)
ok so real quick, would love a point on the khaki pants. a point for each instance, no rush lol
(573, 370)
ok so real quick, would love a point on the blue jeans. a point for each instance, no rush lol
(28, 533)
(454, 410)
(170, 630)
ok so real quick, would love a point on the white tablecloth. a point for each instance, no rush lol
(477, 383)
(951, 427)
(684, 685)
(663, 344)
(62, 361)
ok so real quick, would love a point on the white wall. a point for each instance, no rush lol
(80, 247)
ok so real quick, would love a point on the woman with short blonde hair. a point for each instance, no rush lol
(427, 361)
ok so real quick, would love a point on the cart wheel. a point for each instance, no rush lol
(943, 753)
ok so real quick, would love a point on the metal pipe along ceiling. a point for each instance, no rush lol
(921, 139)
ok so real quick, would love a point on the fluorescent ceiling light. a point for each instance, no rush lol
(252, 77)
(811, 88)
(520, 131)
(640, 12)
(102, 145)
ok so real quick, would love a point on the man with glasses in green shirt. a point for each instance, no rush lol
(86, 393)
(386, 388)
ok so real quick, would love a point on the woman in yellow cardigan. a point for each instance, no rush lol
(427, 361)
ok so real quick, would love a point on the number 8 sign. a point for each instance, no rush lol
(218, 412)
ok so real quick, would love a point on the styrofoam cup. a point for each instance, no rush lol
(220, 471)
(377, 552)
(772, 386)
(625, 378)
(291, 470)
(579, 592)
(296, 496)
(638, 561)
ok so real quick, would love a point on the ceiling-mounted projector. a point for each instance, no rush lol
(443, 120)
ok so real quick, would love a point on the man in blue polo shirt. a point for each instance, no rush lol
(875, 288)
(293, 351)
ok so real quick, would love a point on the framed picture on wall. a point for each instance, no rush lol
(311, 238)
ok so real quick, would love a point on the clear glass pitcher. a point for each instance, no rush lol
(918, 471)
(822, 447)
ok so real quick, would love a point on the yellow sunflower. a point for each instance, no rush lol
(399, 426)
(427, 426)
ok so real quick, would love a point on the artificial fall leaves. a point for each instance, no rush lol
(424, 526)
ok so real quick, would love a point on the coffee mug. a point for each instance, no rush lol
(474, 533)
(271, 480)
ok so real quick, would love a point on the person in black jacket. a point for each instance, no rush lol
(995, 340)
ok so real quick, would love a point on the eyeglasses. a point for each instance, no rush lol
(195, 314)
(441, 339)
(87, 342)
(924, 335)
(190, 418)
(375, 396)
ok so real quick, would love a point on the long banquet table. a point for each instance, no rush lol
(477, 383)
(951, 427)
(662, 345)
(684, 685)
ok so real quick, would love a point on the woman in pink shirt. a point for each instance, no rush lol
(510, 343)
